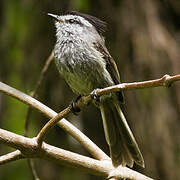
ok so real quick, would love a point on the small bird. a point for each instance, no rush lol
(85, 63)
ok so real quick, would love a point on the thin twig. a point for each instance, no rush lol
(10, 157)
(51, 124)
(43, 72)
(165, 81)
(30, 149)
(33, 169)
(38, 84)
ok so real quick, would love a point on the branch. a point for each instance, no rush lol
(51, 124)
(30, 149)
(92, 148)
(165, 81)
(34, 93)
(13, 156)
(42, 74)
(89, 145)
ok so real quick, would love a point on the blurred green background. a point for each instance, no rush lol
(143, 37)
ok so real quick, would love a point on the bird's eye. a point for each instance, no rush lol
(73, 21)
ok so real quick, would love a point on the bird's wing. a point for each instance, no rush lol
(110, 66)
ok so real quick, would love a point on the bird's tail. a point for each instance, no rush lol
(123, 147)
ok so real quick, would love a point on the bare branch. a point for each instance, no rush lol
(30, 149)
(93, 149)
(51, 124)
(166, 81)
(34, 93)
(13, 156)
(89, 145)
(43, 72)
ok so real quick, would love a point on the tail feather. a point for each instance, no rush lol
(123, 147)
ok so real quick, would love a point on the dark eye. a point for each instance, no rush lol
(73, 21)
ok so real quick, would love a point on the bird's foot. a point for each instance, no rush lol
(74, 109)
(94, 95)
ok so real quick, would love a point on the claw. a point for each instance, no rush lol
(94, 95)
(75, 110)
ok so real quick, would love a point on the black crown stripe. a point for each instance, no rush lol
(100, 25)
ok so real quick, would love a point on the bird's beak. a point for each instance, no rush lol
(55, 17)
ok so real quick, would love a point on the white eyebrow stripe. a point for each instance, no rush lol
(82, 20)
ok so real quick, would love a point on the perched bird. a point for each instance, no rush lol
(85, 63)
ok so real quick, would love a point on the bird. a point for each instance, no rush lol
(85, 63)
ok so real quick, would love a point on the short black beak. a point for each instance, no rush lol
(55, 17)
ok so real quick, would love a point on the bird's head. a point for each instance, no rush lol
(78, 25)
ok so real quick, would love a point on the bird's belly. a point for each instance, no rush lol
(80, 84)
(84, 74)
(83, 80)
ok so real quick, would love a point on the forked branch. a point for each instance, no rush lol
(30, 149)
(93, 149)
(78, 135)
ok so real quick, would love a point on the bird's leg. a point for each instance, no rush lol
(75, 110)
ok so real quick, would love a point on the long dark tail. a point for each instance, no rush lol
(123, 147)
